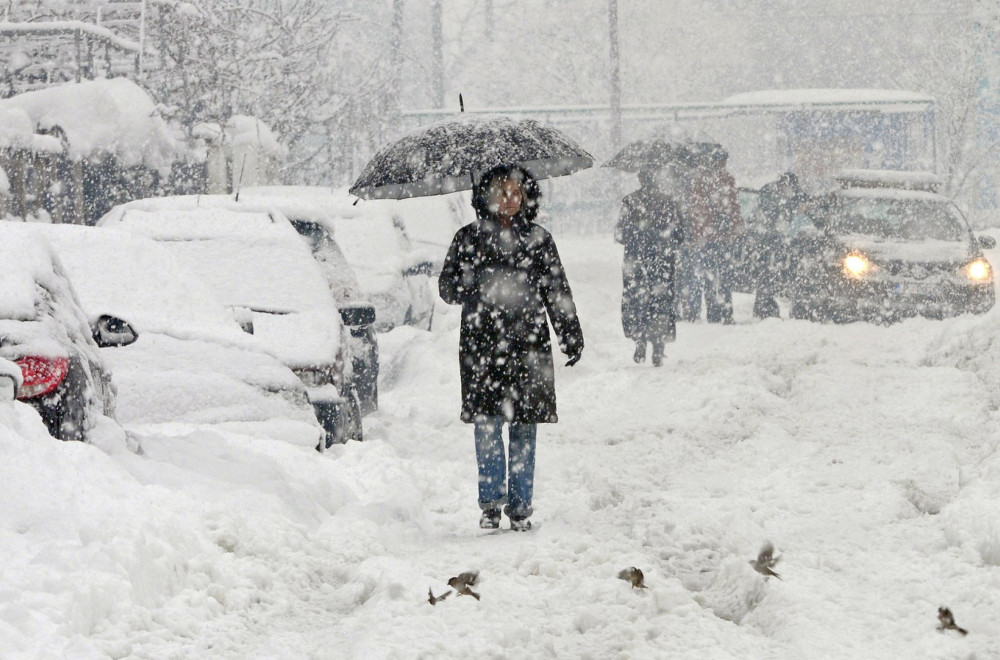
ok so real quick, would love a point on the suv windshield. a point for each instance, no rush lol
(907, 219)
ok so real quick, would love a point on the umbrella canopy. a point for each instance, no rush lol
(444, 157)
(653, 154)
(704, 146)
(668, 145)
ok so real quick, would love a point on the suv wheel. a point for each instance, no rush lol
(343, 421)
(350, 419)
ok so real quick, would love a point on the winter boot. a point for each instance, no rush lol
(490, 519)
(640, 352)
(519, 524)
(657, 353)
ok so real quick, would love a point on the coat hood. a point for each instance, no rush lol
(532, 193)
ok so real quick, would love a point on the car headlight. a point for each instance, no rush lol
(856, 265)
(979, 270)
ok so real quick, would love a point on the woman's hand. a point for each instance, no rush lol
(574, 354)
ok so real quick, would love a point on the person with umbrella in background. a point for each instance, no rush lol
(505, 272)
(650, 229)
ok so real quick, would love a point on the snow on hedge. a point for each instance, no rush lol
(99, 117)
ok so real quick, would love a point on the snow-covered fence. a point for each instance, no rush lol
(72, 151)
(39, 54)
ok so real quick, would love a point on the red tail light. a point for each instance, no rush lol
(41, 375)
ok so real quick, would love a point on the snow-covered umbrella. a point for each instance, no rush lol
(448, 156)
(670, 145)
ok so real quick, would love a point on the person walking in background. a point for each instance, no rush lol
(779, 202)
(649, 227)
(505, 272)
(713, 224)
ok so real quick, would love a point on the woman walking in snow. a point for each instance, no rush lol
(650, 229)
(505, 272)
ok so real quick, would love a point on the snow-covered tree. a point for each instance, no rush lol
(279, 60)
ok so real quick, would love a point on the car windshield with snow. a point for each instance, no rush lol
(908, 218)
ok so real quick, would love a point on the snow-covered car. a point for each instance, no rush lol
(190, 362)
(885, 246)
(356, 312)
(315, 227)
(255, 262)
(46, 333)
(393, 273)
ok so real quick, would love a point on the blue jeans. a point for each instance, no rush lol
(493, 490)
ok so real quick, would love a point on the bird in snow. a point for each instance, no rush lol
(765, 561)
(633, 576)
(434, 600)
(463, 581)
(948, 621)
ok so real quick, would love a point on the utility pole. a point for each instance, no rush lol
(616, 83)
(437, 54)
(142, 39)
(397, 35)
(397, 59)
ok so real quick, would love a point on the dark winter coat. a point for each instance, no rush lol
(650, 228)
(507, 281)
(779, 201)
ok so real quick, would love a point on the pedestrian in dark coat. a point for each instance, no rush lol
(650, 228)
(505, 272)
(779, 202)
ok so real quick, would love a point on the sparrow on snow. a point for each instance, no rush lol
(948, 621)
(633, 576)
(463, 581)
(434, 600)
(765, 561)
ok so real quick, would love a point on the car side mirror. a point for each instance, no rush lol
(10, 380)
(244, 316)
(357, 314)
(987, 242)
(8, 387)
(112, 331)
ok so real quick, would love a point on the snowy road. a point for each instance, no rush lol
(868, 455)
(831, 441)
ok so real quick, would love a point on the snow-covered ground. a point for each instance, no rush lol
(868, 455)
